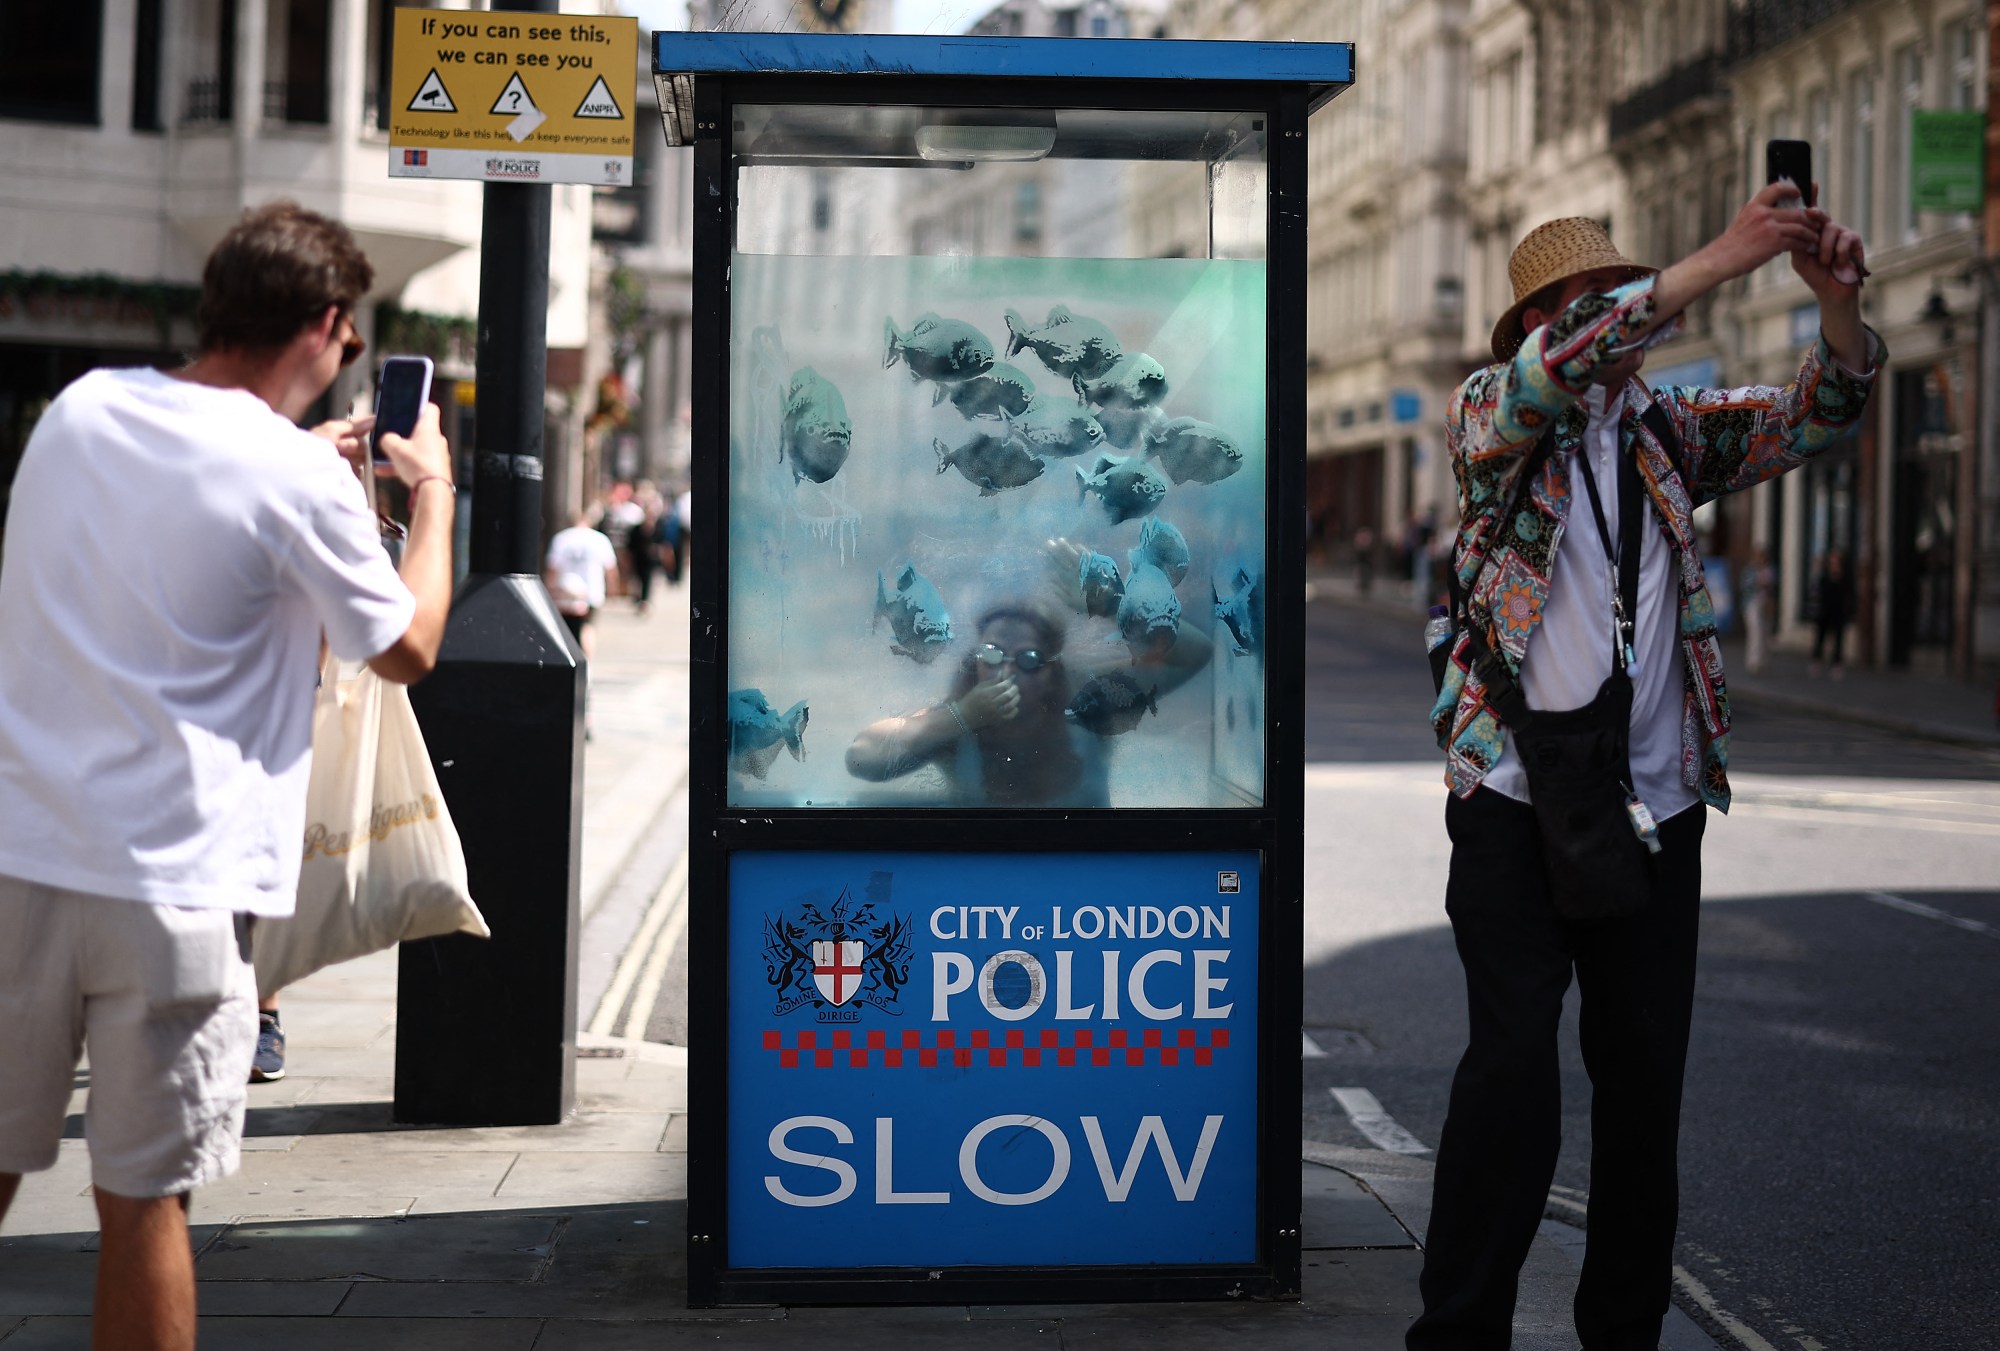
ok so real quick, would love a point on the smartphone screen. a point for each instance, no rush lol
(1790, 159)
(401, 391)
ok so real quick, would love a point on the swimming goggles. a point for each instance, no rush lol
(1028, 659)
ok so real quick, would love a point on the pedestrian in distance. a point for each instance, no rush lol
(176, 546)
(582, 570)
(1833, 607)
(1586, 731)
(1760, 597)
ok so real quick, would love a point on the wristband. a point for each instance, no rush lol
(431, 478)
(951, 707)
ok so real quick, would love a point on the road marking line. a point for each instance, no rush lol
(1308, 1048)
(1366, 1113)
(1745, 1336)
(656, 962)
(634, 959)
(1910, 907)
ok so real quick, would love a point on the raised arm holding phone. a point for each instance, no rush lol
(1585, 726)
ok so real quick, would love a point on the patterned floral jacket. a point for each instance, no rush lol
(1730, 440)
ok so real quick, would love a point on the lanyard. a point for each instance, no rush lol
(1625, 561)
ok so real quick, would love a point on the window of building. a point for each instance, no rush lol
(1861, 151)
(1909, 75)
(1028, 212)
(1099, 25)
(1964, 47)
(49, 61)
(146, 53)
(1066, 24)
(298, 45)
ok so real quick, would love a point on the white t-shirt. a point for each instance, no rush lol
(1569, 654)
(173, 552)
(578, 558)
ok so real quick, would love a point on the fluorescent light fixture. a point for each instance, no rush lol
(988, 136)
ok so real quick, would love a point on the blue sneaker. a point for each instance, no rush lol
(268, 1065)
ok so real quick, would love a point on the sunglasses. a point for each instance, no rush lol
(1028, 659)
(353, 345)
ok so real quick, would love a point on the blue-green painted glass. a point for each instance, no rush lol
(965, 414)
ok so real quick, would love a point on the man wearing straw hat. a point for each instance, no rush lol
(1577, 485)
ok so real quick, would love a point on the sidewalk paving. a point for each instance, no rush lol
(343, 1228)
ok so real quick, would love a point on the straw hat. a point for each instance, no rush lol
(1551, 253)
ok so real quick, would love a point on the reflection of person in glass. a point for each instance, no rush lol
(1001, 735)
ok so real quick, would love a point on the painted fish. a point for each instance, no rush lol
(938, 349)
(1137, 381)
(1128, 487)
(1099, 584)
(1000, 389)
(756, 730)
(1128, 428)
(815, 431)
(1189, 449)
(1149, 608)
(1164, 546)
(1238, 613)
(995, 463)
(1059, 428)
(1112, 703)
(916, 615)
(1068, 344)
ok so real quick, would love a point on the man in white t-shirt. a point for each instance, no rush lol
(582, 565)
(175, 548)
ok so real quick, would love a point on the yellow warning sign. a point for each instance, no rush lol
(513, 97)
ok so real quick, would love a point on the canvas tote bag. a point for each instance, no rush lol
(383, 863)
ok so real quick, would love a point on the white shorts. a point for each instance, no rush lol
(166, 1000)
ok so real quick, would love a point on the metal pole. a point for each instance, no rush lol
(486, 1029)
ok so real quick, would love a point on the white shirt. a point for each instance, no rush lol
(579, 558)
(173, 552)
(1569, 653)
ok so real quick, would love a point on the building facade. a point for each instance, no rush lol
(134, 134)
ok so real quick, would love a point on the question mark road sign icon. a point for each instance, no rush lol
(515, 98)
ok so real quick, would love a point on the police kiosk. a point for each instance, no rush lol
(997, 698)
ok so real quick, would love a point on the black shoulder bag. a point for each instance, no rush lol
(1598, 838)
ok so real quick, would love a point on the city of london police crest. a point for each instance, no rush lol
(839, 957)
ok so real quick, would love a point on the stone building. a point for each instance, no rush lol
(134, 132)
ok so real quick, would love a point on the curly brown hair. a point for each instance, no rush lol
(277, 270)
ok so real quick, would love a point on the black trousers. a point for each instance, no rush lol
(1503, 1127)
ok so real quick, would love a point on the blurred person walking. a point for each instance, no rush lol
(176, 546)
(1760, 596)
(1586, 729)
(1833, 607)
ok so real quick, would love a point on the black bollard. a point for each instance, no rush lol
(486, 1028)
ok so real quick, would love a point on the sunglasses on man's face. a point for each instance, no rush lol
(1028, 659)
(353, 345)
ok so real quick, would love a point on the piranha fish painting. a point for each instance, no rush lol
(756, 730)
(1137, 381)
(995, 463)
(1149, 612)
(1099, 586)
(1128, 487)
(1190, 449)
(916, 615)
(815, 431)
(1238, 614)
(1071, 345)
(1000, 389)
(1058, 428)
(1112, 703)
(1164, 546)
(946, 350)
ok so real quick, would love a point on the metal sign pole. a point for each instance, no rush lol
(486, 1029)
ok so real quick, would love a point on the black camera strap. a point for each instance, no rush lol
(1624, 561)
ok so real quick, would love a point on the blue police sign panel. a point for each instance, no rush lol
(992, 1059)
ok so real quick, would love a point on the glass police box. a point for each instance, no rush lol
(996, 785)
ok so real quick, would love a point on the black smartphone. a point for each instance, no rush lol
(401, 390)
(1793, 160)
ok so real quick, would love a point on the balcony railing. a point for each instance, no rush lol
(1757, 26)
(1685, 83)
(209, 101)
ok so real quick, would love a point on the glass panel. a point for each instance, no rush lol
(997, 466)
